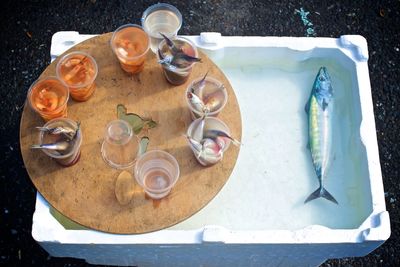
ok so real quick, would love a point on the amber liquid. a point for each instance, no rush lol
(130, 45)
(48, 98)
(78, 72)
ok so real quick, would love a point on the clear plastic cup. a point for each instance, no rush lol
(70, 156)
(212, 93)
(120, 146)
(130, 44)
(176, 75)
(198, 133)
(49, 98)
(156, 171)
(161, 18)
(78, 71)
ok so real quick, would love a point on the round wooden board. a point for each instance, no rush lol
(85, 192)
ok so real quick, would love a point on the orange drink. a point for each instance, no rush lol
(49, 98)
(78, 70)
(130, 44)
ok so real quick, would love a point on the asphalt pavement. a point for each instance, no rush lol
(26, 29)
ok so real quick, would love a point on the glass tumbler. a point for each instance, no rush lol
(78, 71)
(130, 44)
(208, 151)
(71, 155)
(49, 97)
(156, 171)
(161, 18)
(212, 93)
(176, 75)
(120, 146)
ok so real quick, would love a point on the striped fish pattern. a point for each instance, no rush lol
(319, 109)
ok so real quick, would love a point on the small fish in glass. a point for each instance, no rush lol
(177, 55)
(177, 58)
(209, 138)
(64, 130)
(61, 140)
(206, 96)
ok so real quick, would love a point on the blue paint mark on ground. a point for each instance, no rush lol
(303, 15)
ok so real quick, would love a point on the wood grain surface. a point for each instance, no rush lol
(85, 191)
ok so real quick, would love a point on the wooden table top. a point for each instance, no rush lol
(85, 192)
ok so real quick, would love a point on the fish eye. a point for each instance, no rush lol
(321, 79)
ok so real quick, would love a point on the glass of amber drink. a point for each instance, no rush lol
(130, 44)
(78, 70)
(49, 97)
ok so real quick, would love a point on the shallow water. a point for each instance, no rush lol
(274, 172)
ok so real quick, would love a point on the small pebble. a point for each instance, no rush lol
(14, 232)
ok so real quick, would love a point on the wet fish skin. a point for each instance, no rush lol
(319, 109)
(214, 134)
(61, 130)
(195, 145)
(171, 44)
(179, 58)
(62, 145)
(196, 101)
(207, 150)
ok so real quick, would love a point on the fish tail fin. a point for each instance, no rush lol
(321, 192)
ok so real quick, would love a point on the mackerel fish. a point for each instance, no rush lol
(320, 108)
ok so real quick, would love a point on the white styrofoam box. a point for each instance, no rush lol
(258, 218)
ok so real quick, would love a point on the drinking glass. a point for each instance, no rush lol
(206, 150)
(161, 18)
(78, 70)
(157, 172)
(49, 98)
(120, 146)
(130, 44)
(212, 93)
(174, 74)
(71, 155)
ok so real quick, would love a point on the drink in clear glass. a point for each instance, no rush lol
(161, 18)
(156, 171)
(130, 44)
(49, 97)
(78, 70)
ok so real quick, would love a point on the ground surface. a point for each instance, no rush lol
(26, 29)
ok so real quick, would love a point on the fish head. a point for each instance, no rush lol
(323, 90)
